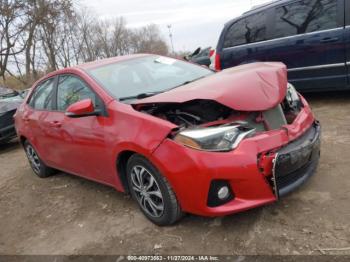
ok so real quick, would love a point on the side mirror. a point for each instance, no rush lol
(82, 108)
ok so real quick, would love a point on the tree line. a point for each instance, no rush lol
(39, 36)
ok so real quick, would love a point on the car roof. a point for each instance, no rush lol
(5, 90)
(267, 5)
(107, 61)
(258, 8)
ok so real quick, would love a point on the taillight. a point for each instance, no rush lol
(217, 62)
(211, 52)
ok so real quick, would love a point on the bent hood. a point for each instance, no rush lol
(250, 87)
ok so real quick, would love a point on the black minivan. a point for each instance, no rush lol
(312, 37)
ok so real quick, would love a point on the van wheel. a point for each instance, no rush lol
(152, 192)
(38, 166)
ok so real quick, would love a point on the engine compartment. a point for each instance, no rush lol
(190, 114)
(205, 113)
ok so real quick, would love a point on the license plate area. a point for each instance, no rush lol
(297, 161)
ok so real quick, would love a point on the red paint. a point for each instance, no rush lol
(81, 107)
(251, 87)
(90, 146)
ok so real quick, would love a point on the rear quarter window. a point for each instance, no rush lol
(250, 29)
(42, 97)
(305, 16)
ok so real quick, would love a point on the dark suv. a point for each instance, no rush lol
(312, 37)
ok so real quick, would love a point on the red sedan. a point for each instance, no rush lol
(176, 136)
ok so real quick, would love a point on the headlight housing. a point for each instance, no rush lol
(222, 138)
(292, 96)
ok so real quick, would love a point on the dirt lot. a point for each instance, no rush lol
(69, 215)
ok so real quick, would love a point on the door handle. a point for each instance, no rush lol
(56, 124)
(25, 119)
(329, 39)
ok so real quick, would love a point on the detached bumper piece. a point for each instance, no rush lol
(296, 162)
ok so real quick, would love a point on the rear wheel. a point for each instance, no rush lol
(38, 166)
(152, 192)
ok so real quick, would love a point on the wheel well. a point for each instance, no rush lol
(22, 139)
(122, 162)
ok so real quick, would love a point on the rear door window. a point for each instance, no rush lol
(305, 16)
(42, 97)
(250, 29)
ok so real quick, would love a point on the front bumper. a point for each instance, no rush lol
(296, 162)
(191, 172)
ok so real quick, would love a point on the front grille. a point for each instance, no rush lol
(285, 180)
(297, 161)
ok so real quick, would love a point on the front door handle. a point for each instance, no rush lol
(56, 124)
(25, 119)
(329, 39)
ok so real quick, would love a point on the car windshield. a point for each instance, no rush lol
(142, 77)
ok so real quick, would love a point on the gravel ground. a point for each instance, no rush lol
(65, 214)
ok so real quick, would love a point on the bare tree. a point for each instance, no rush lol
(37, 36)
(148, 40)
(12, 26)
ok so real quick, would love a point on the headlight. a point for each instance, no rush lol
(292, 96)
(224, 138)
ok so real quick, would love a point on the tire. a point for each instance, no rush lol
(38, 166)
(153, 194)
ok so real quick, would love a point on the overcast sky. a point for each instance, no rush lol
(194, 22)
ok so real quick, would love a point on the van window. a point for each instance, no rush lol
(305, 16)
(247, 30)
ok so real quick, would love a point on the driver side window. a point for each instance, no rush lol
(71, 90)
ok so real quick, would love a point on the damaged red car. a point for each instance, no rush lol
(176, 136)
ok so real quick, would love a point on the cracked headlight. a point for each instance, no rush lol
(292, 96)
(223, 138)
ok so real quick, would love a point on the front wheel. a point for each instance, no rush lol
(38, 166)
(152, 192)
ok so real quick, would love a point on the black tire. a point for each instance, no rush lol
(171, 209)
(38, 166)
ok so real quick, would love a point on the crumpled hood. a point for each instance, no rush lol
(249, 87)
(8, 106)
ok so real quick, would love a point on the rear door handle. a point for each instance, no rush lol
(55, 124)
(329, 39)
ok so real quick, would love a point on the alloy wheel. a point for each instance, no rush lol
(33, 158)
(147, 191)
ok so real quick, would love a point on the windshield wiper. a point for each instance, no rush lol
(140, 96)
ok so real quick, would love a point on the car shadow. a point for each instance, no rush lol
(9, 146)
(246, 218)
(239, 221)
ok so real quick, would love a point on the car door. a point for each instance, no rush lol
(347, 37)
(308, 36)
(81, 149)
(39, 120)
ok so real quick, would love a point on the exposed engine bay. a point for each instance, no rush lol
(206, 113)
